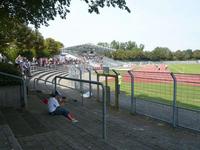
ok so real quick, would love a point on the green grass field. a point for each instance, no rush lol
(185, 68)
(188, 96)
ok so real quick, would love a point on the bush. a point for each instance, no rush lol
(10, 69)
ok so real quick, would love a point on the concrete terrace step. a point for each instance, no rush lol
(90, 120)
(48, 76)
(126, 131)
(7, 139)
(77, 136)
(17, 123)
(93, 124)
(35, 129)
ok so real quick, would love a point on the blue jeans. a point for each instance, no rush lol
(60, 111)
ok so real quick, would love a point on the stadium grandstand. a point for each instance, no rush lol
(90, 54)
(86, 48)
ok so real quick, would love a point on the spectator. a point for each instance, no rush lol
(55, 108)
(18, 60)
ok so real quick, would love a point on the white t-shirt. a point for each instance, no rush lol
(52, 104)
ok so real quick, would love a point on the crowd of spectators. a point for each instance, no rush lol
(84, 59)
(24, 65)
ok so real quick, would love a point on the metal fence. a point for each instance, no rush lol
(174, 98)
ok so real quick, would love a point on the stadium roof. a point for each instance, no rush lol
(86, 48)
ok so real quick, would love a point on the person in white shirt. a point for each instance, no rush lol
(55, 108)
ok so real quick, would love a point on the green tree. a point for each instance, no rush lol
(188, 54)
(52, 46)
(43, 53)
(23, 40)
(39, 12)
(29, 54)
(130, 45)
(196, 54)
(122, 46)
(39, 45)
(11, 52)
(162, 53)
(141, 47)
(114, 44)
(179, 55)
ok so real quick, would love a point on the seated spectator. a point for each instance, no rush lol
(55, 107)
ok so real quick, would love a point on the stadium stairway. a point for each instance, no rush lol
(125, 131)
(46, 76)
(35, 129)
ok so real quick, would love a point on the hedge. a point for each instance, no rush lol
(10, 69)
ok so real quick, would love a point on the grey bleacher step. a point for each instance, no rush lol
(52, 76)
(115, 131)
(7, 139)
(33, 122)
(46, 141)
(2, 118)
(74, 135)
(46, 73)
(91, 122)
(22, 123)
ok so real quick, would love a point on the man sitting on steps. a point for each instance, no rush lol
(55, 107)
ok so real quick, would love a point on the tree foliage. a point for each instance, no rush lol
(39, 12)
(161, 53)
(130, 51)
(130, 45)
(27, 42)
(52, 46)
(17, 38)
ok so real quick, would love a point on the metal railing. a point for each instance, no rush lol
(23, 85)
(171, 97)
(103, 98)
(35, 82)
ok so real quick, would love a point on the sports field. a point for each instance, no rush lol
(185, 68)
(158, 86)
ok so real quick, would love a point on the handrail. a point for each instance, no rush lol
(133, 100)
(90, 78)
(23, 82)
(38, 79)
(103, 95)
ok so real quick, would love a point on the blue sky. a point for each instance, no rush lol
(167, 23)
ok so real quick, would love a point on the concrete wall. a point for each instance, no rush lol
(10, 96)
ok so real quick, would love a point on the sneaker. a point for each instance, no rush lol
(74, 121)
